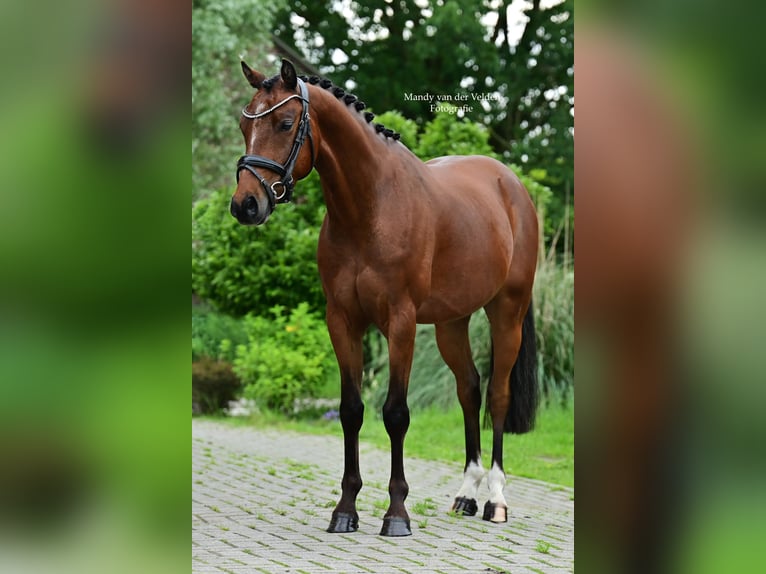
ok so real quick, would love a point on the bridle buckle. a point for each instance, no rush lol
(278, 195)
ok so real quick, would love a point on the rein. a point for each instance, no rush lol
(281, 191)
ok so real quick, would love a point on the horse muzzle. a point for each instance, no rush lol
(250, 211)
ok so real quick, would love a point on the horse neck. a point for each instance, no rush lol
(349, 160)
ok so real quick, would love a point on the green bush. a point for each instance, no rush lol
(214, 334)
(214, 384)
(446, 134)
(288, 356)
(243, 269)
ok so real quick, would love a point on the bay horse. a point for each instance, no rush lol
(402, 242)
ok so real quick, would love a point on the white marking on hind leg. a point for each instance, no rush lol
(472, 478)
(496, 483)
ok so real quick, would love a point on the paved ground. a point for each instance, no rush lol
(261, 500)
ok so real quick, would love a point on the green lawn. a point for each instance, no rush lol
(547, 453)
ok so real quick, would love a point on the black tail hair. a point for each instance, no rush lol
(525, 395)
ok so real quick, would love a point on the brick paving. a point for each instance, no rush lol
(261, 500)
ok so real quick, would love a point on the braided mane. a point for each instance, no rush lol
(340, 93)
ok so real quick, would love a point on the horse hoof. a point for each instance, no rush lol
(495, 512)
(343, 522)
(396, 526)
(466, 506)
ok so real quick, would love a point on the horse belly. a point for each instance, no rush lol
(463, 285)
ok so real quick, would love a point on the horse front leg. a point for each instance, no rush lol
(396, 417)
(347, 343)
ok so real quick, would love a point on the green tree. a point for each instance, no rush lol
(389, 49)
(536, 126)
(384, 49)
(223, 31)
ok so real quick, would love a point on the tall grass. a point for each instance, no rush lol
(554, 321)
(432, 383)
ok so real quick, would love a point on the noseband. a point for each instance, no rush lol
(281, 191)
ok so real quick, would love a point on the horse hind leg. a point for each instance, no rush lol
(455, 348)
(507, 314)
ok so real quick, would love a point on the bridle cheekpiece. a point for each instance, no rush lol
(281, 191)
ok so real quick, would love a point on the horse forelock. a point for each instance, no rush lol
(269, 83)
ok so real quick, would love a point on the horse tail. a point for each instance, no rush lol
(525, 395)
(523, 382)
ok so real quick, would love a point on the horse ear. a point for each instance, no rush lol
(255, 78)
(289, 77)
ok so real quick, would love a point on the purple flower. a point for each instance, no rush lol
(331, 415)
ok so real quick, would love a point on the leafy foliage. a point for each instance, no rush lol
(214, 335)
(288, 356)
(214, 384)
(222, 32)
(554, 320)
(390, 48)
(447, 135)
(250, 269)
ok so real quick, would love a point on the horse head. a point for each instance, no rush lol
(275, 125)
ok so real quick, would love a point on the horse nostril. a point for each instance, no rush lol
(233, 208)
(251, 206)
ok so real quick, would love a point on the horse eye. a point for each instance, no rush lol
(286, 126)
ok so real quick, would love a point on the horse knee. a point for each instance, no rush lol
(396, 417)
(351, 413)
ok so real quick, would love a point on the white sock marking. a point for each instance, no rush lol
(496, 483)
(472, 478)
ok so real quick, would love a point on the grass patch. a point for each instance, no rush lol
(543, 546)
(425, 507)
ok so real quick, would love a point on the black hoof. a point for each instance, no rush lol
(495, 512)
(343, 522)
(466, 506)
(396, 526)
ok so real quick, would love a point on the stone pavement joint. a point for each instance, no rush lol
(261, 500)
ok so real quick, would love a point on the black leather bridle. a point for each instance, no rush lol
(281, 191)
